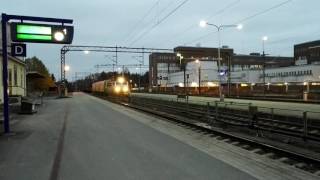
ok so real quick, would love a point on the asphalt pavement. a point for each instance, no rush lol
(84, 137)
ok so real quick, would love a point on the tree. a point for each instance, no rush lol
(35, 64)
(41, 84)
(53, 78)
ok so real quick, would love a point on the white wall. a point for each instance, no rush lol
(209, 73)
(20, 87)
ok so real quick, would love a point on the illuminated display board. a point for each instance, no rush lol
(41, 33)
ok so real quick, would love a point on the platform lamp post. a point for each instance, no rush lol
(264, 39)
(219, 28)
(184, 71)
(199, 75)
(141, 62)
(66, 69)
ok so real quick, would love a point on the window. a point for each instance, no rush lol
(10, 77)
(15, 75)
(21, 77)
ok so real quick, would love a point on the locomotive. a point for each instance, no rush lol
(118, 87)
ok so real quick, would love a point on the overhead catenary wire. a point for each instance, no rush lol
(248, 18)
(193, 26)
(133, 29)
(151, 22)
(263, 12)
(159, 22)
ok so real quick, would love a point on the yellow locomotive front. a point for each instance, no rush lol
(121, 86)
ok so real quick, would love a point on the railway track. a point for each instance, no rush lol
(202, 120)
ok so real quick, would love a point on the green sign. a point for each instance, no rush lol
(41, 33)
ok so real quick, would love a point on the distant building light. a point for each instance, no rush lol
(315, 84)
(194, 84)
(285, 83)
(180, 84)
(253, 84)
(211, 84)
(305, 83)
(244, 85)
(268, 84)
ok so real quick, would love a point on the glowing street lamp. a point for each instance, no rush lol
(203, 23)
(184, 72)
(199, 75)
(67, 68)
(264, 39)
(219, 28)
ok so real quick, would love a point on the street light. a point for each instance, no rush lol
(203, 23)
(199, 75)
(219, 28)
(67, 68)
(141, 62)
(264, 39)
(184, 72)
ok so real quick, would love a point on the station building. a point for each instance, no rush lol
(247, 75)
(16, 77)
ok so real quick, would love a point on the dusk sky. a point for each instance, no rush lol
(141, 23)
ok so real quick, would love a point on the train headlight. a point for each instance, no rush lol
(117, 89)
(125, 89)
(121, 80)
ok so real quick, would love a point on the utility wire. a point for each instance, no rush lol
(134, 28)
(264, 11)
(192, 26)
(150, 22)
(159, 22)
(164, 9)
(249, 17)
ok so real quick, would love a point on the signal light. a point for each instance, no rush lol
(58, 36)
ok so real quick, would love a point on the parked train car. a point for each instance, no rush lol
(119, 87)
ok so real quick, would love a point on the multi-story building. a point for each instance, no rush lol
(251, 74)
(307, 53)
(163, 65)
(160, 66)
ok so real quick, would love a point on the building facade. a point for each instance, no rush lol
(16, 77)
(307, 53)
(247, 74)
(160, 66)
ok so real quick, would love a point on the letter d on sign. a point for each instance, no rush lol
(18, 49)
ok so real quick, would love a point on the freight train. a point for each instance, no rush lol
(118, 87)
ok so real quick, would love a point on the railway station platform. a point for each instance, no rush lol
(86, 137)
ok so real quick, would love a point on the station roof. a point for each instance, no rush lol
(260, 60)
(308, 44)
(34, 75)
(13, 58)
